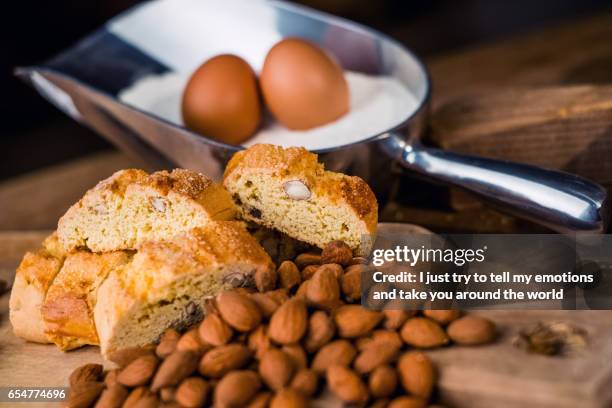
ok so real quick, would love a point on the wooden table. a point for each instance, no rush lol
(498, 375)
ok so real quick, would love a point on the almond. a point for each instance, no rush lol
(472, 330)
(407, 402)
(112, 397)
(417, 374)
(276, 369)
(125, 356)
(337, 252)
(305, 381)
(213, 330)
(346, 385)
(382, 381)
(288, 324)
(423, 333)
(376, 354)
(236, 389)
(167, 343)
(84, 395)
(167, 394)
(239, 311)
(190, 341)
(338, 270)
(265, 278)
(356, 321)
(111, 377)
(138, 372)
(296, 190)
(268, 302)
(289, 275)
(140, 397)
(309, 271)
(443, 317)
(338, 352)
(321, 330)
(261, 400)
(394, 319)
(176, 367)
(323, 289)
(351, 282)
(359, 260)
(223, 359)
(307, 258)
(297, 355)
(288, 398)
(192, 392)
(258, 341)
(301, 292)
(86, 373)
(387, 336)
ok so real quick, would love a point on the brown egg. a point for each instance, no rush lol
(221, 100)
(302, 86)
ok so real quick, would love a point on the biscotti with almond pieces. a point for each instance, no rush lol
(34, 276)
(287, 189)
(166, 282)
(131, 207)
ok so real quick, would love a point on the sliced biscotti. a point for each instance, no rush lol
(290, 191)
(33, 278)
(166, 282)
(132, 206)
(67, 310)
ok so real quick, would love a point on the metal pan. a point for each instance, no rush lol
(158, 37)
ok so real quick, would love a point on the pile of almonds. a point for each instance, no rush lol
(278, 348)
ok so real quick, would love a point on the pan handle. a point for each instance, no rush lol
(561, 201)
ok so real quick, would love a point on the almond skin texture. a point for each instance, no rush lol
(276, 369)
(309, 271)
(407, 402)
(112, 397)
(321, 329)
(297, 355)
(417, 374)
(382, 381)
(374, 355)
(223, 359)
(472, 330)
(338, 352)
(239, 311)
(138, 372)
(192, 392)
(85, 373)
(190, 341)
(288, 324)
(261, 400)
(355, 321)
(176, 367)
(394, 319)
(422, 332)
(213, 330)
(323, 290)
(305, 381)
(351, 282)
(125, 356)
(443, 317)
(140, 397)
(265, 278)
(268, 302)
(258, 341)
(236, 389)
(337, 252)
(307, 258)
(346, 385)
(84, 395)
(288, 398)
(289, 275)
(167, 343)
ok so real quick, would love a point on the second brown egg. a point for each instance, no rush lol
(302, 86)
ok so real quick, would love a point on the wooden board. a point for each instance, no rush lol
(498, 375)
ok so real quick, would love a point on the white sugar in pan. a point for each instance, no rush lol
(377, 103)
